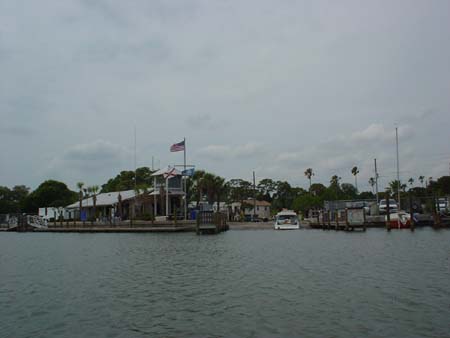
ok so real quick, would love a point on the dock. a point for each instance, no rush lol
(349, 219)
(209, 222)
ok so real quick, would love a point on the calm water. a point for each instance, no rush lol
(306, 283)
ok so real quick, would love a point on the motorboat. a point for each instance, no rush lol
(286, 220)
(399, 220)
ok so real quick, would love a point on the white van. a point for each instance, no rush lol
(393, 208)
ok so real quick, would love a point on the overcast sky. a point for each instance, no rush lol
(270, 86)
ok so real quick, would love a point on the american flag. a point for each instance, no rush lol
(177, 147)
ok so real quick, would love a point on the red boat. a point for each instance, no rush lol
(400, 220)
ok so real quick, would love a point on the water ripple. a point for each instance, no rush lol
(237, 284)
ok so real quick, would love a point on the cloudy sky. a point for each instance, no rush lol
(270, 86)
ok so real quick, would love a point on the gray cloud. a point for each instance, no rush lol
(89, 161)
(17, 131)
(260, 85)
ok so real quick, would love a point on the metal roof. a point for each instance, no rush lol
(104, 199)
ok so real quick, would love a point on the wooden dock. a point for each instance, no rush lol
(209, 222)
(349, 219)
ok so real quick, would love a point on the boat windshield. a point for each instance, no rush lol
(287, 218)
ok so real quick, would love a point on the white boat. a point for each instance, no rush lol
(286, 220)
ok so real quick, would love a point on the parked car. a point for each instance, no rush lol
(442, 204)
(382, 206)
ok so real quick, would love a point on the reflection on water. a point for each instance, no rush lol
(307, 283)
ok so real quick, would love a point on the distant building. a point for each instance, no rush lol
(262, 208)
(248, 210)
(162, 200)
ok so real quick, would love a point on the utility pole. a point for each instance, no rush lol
(254, 197)
(135, 171)
(376, 180)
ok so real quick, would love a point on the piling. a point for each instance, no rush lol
(388, 213)
(411, 213)
(347, 222)
(337, 220)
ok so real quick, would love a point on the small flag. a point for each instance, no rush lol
(177, 147)
(169, 174)
(188, 172)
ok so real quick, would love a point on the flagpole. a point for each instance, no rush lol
(185, 192)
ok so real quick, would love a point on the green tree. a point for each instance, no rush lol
(13, 200)
(355, 172)
(372, 182)
(309, 174)
(349, 191)
(443, 185)
(318, 189)
(197, 185)
(219, 188)
(126, 180)
(50, 193)
(366, 195)
(265, 189)
(422, 180)
(411, 182)
(306, 202)
(240, 190)
(284, 196)
(335, 185)
(80, 186)
(94, 191)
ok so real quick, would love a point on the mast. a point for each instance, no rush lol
(184, 178)
(398, 168)
(376, 180)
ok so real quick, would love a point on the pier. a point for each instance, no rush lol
(211, 223)
(349, 219)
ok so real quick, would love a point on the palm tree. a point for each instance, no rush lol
(94, 190)
(335, 182)
(355, 172)
(422, 179)
(218, 188)
(411, 181)
(80, 195)
(372, 183)
(198, 185)
(88, 190)
(309, 174)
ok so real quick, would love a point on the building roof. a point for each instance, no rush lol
(172, 192)
(251, 202)
(104, 199)
(163, 171)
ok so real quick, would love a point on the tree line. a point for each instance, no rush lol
(207, 187)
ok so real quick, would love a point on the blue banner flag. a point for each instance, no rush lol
(188, 172)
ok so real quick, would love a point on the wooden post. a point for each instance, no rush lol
(411, 213)
(437, 219)
(388, 213)
(337, 220)
(364, 219)
(347, 224)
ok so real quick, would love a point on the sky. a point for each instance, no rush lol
(273, 87)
